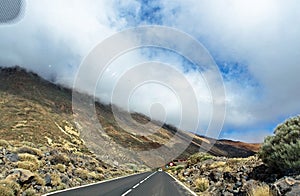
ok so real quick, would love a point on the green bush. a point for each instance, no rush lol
(282, 150)
(198, 157)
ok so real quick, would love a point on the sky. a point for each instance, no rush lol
(255, 45)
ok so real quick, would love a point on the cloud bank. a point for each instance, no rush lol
(256, 45)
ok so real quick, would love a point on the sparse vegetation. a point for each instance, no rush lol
(59, 158)
(29, 192)
(82, 173)
(202, 184)
(28, 161)
(4, 143)
(27, 165)
(263, 190)
(8, 187)
(6, 191)
(281, 151)
(30, 150)
(195, 158)
(55, 179)
(60, 167)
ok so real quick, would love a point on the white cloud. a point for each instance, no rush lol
(263, 36)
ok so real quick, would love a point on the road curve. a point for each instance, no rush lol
(146, 184)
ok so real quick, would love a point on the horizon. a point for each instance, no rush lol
(255, 46)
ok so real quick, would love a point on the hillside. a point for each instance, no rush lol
(35, 113)
(30, 104)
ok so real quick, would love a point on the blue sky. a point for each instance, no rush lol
(256, 46)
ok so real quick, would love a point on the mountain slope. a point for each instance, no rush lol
(35, 110)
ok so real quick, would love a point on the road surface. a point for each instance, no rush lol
(146, 184)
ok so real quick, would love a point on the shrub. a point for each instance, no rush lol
(100, 170)
(262, 190)
(82, 173)
(59, 158)
(27, 165)
(39, 180)
(29, 192)
(28, 161)
(95, 176)
(30, 150)
(8, 187)
(281, 151)
(4, 143)
(198, 157)
(60, 167)
(202, 184)
(27, 157)
(55, 180)
(6, 191)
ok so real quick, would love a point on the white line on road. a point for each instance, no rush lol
(87, 185)
(126, 192)
(193, 193)
(138, 184)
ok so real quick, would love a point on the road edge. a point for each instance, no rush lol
(91, 184)
(179, 182)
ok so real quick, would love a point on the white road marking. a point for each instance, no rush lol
(138, 184)
(87, 185)
(126, 192)
(193, 193)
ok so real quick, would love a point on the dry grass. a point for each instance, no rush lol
(59, 158)
(198, 157)
(30, 150)
(55, 180)
(100, 170)
(4, 143)
(202, 184)
(95, 176)
(27, 157)
(82, 173)
(39, 180)
(29, 192)
(217, 164)
(9, 187)
(27, 165)
(181, 177)
(29, 162)
(6, 191)
(60, 167)
(263, 190)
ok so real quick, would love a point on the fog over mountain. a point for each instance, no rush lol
(255, 44)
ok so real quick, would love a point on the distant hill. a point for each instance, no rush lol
(35, 110)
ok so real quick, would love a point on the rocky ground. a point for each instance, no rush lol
(209, 175)
(29, 169)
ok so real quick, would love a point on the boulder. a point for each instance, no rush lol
(12, 157)
(286, 186)
(22, 176)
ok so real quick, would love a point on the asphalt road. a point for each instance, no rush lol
(145, 184)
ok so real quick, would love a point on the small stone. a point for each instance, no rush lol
(47, 180)
(64, 179)
(226, 193)
(38, 187)
(12, 157)
(23, 176)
